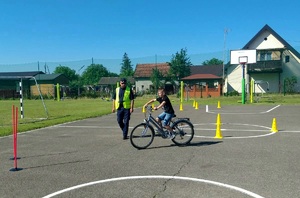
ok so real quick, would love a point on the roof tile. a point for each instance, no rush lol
(145, 70)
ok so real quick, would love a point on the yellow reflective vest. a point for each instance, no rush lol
(126, 98)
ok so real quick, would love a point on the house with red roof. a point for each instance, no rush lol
(142, 76)
(204, 81)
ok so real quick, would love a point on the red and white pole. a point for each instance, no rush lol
(15, 135)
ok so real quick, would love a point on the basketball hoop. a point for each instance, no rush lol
(242, 57)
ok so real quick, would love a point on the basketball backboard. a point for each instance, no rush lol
(242, 56)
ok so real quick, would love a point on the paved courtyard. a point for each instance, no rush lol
(88, 158)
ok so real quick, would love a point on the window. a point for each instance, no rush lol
(268, 55)
(264, 56)
(287, 59)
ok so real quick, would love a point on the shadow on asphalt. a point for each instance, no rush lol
(63, 163)
(49, 154)
(206, 143)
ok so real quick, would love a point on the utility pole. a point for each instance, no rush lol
(226, 30)
(79, 81)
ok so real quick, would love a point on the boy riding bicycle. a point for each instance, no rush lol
(165, 117)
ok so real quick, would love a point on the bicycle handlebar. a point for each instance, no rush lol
(149, 108)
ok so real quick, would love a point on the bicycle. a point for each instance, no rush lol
(142, 135)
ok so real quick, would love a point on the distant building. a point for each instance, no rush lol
(10, 83)
(142, 76)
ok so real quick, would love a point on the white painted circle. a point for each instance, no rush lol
(243, 191)
(239, 137)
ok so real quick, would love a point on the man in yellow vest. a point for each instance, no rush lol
(123, 102)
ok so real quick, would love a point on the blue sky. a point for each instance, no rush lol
(72, 32)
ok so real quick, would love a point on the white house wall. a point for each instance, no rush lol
(267, 81)
(271, 42)
(142, 85)
(292, 68)
(234, 78)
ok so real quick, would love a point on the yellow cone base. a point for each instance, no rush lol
(218, 132)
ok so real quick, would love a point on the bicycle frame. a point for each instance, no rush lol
(151, 120)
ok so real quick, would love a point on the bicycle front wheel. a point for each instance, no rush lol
(142, 136)
(184, 132)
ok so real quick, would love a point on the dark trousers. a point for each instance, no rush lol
(123, 117)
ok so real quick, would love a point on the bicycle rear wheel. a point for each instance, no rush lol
(184, 132)
(141, 136)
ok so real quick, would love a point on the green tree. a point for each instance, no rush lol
(93, 73)
(180, 65)
(111, 74)
(156, 78)
(68, 72)
(126, 67)
(290, 84)
(213, 61)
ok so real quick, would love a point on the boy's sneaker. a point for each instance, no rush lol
(171, 135)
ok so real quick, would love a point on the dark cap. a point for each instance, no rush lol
(123, 80)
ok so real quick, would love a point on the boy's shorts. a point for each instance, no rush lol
(166, 118)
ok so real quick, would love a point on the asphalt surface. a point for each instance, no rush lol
(89, 158)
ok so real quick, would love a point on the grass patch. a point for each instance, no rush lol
(69, 110)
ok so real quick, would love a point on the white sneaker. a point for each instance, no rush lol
(171, 135)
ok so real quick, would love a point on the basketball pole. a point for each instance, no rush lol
(243, 58)
(243, 85)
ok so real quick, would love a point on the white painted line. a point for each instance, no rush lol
(239, 130)
(243, 191)
(272, 109)
(240, 137)
(265, 129)
(87, 126)
(268, 111)
(238, 124)
(282, 131)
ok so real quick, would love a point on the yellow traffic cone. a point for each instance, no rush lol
(196, 105)
(218, 132)
(218, 119)
(144, 110)
(219, 105)
(181, 109)
(218, 128)
(152, 106)
(274, 126)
